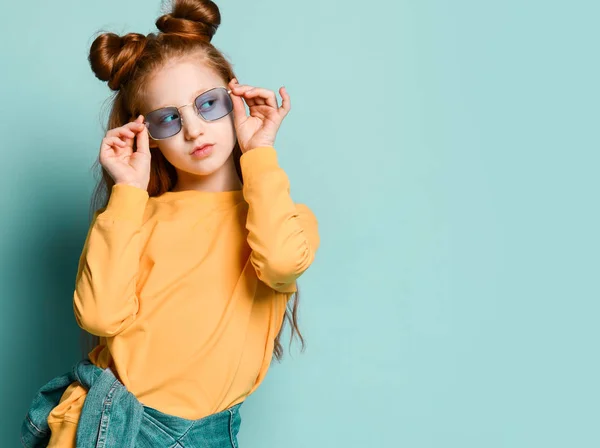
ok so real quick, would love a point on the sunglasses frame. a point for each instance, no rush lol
(193, 103)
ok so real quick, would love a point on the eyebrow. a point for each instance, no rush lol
(195, 95)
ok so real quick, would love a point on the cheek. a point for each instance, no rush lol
(225, 132)
(167, 147)
(171, 149)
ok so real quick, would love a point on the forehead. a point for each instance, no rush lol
(178, 83)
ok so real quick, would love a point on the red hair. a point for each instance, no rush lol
(127, 62)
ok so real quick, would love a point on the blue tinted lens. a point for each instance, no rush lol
(163, 123)
(214, 104)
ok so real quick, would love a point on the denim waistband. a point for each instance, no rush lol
(113, 417)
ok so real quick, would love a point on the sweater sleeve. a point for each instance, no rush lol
(105, 299)
(283, 235)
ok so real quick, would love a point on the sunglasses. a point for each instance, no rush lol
(167, 121)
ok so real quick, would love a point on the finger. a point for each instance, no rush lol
(264, 94)
(111, 143)
(286, 103)
(132, 128)
(121, 132)
(240, 88)
(239, 110)
(142, 142)
(124, 134)
(127, 129)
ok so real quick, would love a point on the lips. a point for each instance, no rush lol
(204, 145)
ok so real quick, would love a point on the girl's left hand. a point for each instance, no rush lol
(260, 128)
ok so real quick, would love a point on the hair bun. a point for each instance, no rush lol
(113, 57)
(191, 18)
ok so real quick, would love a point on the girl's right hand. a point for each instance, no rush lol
(118, 158)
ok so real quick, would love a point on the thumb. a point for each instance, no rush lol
(142, 142)
(239, 110)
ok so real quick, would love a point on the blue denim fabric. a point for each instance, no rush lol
(113, 417)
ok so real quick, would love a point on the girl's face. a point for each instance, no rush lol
(179, 83)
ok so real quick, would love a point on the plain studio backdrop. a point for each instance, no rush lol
(450, 153)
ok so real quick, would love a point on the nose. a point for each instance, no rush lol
(193, 125)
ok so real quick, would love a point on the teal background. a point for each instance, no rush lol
(450, 153)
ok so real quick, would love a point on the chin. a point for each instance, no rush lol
(204, 167)
(203, 171)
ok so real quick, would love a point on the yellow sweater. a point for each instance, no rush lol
(188, 290)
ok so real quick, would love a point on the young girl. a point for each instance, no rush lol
(189, 264)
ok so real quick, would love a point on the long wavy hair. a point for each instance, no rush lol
(126, 63)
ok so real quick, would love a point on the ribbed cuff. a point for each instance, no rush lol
(126, 202)
(258, 161)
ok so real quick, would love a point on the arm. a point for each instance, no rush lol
(283, 235)
(105, 300)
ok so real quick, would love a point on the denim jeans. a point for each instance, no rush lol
(213, 431)
(113, 417)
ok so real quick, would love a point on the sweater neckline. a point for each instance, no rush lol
(230, 196)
